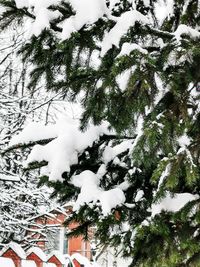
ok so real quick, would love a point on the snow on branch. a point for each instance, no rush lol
(86, 13)
(65, 141)
(186, 30)
(26, 145)
(124, 22)
(172, 203)
(91, 192)
(10, 178)
(62, 150)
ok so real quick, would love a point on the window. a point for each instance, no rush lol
(57, 239)
(84, 248)
(63, 241)
(52, 235)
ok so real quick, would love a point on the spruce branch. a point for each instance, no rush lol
(35, 165)
(27, 145)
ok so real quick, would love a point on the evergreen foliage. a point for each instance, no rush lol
(161, 78)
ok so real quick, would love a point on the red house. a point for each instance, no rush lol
(49, 234)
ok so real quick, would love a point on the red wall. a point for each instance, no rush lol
(36, 259)
(54, 260)
(12, 255)
(76, 263)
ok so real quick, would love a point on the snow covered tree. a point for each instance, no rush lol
(135, 64)
(20, 196)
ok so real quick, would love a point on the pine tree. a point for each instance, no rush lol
(137, 64)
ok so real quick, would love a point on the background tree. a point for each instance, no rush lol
(136, 63)
(21, 198)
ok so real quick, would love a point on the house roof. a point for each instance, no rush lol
(58, 209)
(16, 248)
(81, 259)
(37, 251)
(58, 255)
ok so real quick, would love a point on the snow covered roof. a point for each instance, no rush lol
(27, 263)
(58, 255)
(16, 248)
(5, 262)
(37, 251)
(45, 214)
(81, 259)
(68, 204)
(49, 213)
